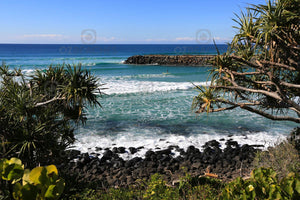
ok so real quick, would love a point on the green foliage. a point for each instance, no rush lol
(205, 98)
(283, 158)
(263, 184)
(157, 189)
(11, 170)
(112, 193)
(294, 138)
(39, 183)
(38, 114)
(199, 187)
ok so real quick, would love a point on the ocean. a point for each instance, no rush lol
(143, 105)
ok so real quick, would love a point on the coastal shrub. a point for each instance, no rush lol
(157, 189)
(263, 184)
(295, 138)
(283, 158)
(194, 187)
(39, 113)
(25, 184)
(112, 193)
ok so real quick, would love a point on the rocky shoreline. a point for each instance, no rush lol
(183, 60)
(110, 170)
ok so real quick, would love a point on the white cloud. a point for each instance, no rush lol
(43, 36)
(222, 39)
(156, 40)
(107, 39)
(61, 38)
(185, 39)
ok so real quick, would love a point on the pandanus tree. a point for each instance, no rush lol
(260, 72)
(39, 113)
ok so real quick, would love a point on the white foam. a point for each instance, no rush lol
(137, 76)
(134, 86)
(28, 72)
(154, 141)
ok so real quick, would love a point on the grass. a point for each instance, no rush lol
(156, 188)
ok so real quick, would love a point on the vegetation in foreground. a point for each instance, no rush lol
(283, 182)
(263, 184)
(38, 113)
(261, 71)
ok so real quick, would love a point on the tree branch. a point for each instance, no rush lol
(278, 65)
(246, 106)
(237, 58)
(245, 73)
(237, 87)
(218, 110)
(289, 84)
(49, 101)
(269, 116)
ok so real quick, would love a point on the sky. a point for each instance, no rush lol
(119, 21)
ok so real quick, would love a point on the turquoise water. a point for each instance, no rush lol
(142, 105)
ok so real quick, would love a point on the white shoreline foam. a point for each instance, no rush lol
(88, 143)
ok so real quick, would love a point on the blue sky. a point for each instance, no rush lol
(119, 21)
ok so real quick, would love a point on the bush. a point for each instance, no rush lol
(263, 184)
(295, 138)
(156, 188)
(38, 114)
(38, 183)
(283, 158)
(200, 187)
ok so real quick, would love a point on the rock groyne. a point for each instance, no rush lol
(183, 60)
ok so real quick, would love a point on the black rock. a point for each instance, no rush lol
(171, 147)
(164, 152)
(149, 153)
(133, 150)
(73, 154)
(98, 148)
(119, 150)
(132, 162)
(231, 143)
(257, 145)
(212, 143)
(108, 154)
(192, 150)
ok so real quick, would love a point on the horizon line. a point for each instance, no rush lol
(108, 44)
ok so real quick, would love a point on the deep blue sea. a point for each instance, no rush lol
(143, 105)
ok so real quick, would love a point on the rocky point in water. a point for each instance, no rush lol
(185, 60)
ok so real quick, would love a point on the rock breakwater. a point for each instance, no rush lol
(183, 60)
